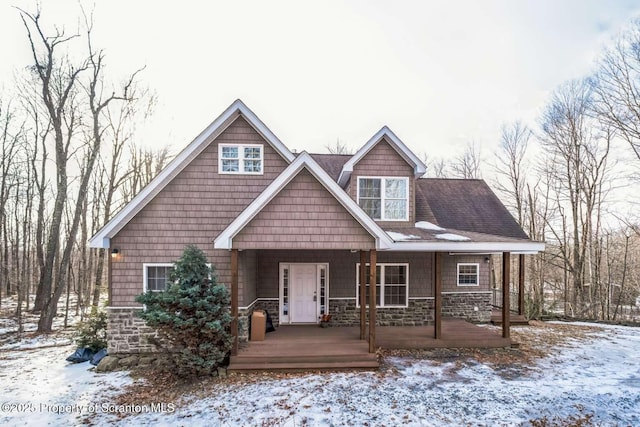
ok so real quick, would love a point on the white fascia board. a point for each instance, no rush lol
(383, 241)
(225, 239)
(470, 247)
(419, 168)
(262, 129)
(196, 146)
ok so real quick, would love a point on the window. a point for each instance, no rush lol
(392, 284)
(285, 290)
(156, 277)
(468, 274)
(385, 199)
(323, 290)
(240, 159)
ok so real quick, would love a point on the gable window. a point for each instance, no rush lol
(156, 277)
(385, 199)
(392, 285)
(240, 159)
(468, 274)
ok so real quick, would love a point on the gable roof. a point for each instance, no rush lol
(303, 161)
(385, 133)
(237, 109)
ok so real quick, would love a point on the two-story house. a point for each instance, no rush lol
(298, 233)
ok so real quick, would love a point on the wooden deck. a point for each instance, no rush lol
(298, 348)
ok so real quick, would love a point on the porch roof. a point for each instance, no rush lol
(427, 236)
(423, 236)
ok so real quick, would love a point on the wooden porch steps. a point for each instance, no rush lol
(299, 348)
(514, 319)
(299, 364)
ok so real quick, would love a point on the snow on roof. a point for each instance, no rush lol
(452, 237)
(426, 225)
(402, 237)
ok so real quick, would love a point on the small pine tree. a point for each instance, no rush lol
(92, 333)
(192, 316)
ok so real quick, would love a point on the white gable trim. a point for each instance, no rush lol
(304, 160)
(102, 238)
(418, 167)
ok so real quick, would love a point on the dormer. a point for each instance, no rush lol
(381, 176)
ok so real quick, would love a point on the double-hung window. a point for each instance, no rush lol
(392, 284)
(385, 199)
(240, 159)
(468, 274)
(156, 277)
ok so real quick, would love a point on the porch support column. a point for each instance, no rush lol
(437, 290)
(234, 301)
(506, 278)
(363, 295)
(521, 284)
(372, 300)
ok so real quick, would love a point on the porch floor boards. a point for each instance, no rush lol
(514, 318)
(309, 347)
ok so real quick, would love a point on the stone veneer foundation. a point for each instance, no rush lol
(419, 313)
(472, 306)
(128, 334)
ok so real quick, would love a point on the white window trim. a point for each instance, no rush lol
(477, 265)
(382, 196)
(241, 159)
(157, 264)
(382, 284)
(145, 266)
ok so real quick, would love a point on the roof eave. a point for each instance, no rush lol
(525, 247)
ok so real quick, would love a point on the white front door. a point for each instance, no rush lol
(304, 298)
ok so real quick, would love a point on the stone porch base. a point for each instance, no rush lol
(128, 334)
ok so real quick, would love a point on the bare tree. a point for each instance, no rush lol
(617, 87)
(509, 165)
(338, 147)
(58, 79)
(468, 164)
(576, 153)
(437, 167)
(10, 140)
(120, 129)
(61, 89)
(144, 165)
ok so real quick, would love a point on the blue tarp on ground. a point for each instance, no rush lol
(81, 355)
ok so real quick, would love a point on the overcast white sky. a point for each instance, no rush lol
(439, 74)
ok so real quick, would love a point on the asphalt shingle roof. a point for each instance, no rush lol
(465, 205)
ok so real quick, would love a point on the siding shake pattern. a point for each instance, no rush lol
(384, 160)
(304, 215)
(192, 209)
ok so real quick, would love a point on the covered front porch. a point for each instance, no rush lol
(300, 347)
(309, 347)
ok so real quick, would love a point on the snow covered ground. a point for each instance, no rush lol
(595, 372)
